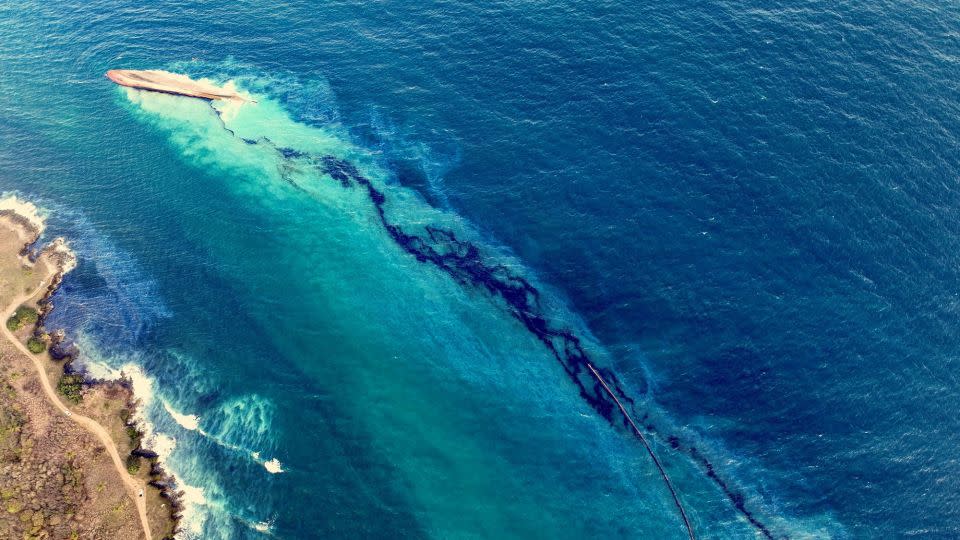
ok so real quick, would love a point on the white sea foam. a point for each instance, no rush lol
(273, 466)
(192, 518)
(263, 526)
(142, 385)
(94, 369)
(229, 108)
(192, 422)
(187, 421)
(25, 209)
(60, 249)
(193, 498)
(242, 424)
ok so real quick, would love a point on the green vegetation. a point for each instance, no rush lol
(133, 464)
(72, 476)
(12, 421)
(71, 386)
(134, 435)
(22, 316)
(36, 345)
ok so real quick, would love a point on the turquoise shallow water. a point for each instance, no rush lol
(745, 212)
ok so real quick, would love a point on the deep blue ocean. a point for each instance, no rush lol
(363, 306)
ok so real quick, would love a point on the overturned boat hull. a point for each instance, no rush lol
(157, 80)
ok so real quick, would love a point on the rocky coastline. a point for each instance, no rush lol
(112, 403)
(61, 350)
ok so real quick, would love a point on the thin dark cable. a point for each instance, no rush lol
(464, 262)
(653, 456)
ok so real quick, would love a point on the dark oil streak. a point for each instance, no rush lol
(736, 498)
(223, 124)
(464, 262)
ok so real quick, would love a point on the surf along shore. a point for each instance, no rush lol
(71, 464)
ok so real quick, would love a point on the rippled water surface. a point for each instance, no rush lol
(365, 305)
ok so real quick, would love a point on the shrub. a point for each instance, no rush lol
(133, 464)
(36, 345)
(71, 386)
(27, 314)
(134, 434)
(23, 315)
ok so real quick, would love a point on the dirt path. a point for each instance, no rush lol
(134, 487)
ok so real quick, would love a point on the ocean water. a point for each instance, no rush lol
(364, 305)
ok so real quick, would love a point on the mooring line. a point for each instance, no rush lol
(531, 322)
(653, 456)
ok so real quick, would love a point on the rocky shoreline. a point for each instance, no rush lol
(64, 351)
(115, 396)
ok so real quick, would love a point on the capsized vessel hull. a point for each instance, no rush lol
(170, 83)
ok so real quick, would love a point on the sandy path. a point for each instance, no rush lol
(134, 487)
